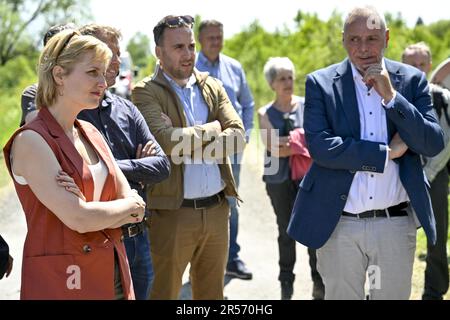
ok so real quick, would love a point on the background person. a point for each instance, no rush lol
(136, 152)
(284, 114)
(230, 72)
(436, 170)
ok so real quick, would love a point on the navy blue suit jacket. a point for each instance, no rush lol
(332, 128)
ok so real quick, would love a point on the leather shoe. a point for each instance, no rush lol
(427, 296)
(237, 269)
(287, 290)
(318, 290)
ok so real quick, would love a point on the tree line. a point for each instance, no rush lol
(312, 44)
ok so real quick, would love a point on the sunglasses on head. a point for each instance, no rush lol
(74, 32)
(172, 22)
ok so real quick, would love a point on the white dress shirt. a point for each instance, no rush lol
(371, 190)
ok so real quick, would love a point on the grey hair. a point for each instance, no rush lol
(209, 23)
(275, 65)
(375, 20)
(420, 46)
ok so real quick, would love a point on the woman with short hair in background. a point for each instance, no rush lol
(278, 120)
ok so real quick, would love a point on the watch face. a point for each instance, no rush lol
(441, 75)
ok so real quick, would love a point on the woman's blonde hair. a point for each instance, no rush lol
(65, 49)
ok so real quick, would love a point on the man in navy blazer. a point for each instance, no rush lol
(367, 120)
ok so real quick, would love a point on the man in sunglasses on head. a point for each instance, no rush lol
(195, 123)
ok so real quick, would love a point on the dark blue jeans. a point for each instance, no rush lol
(234, 248)
(140, 260)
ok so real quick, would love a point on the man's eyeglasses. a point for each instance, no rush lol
(171, 22)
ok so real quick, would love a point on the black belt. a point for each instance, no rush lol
(203, 203)
(394, 211)
(132, 230)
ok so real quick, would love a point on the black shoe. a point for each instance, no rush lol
(237, 269)
(287, 290)
(318, 291)
(427, 296)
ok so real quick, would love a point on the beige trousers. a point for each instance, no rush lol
(186, 235)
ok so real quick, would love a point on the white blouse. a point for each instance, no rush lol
(99, 173)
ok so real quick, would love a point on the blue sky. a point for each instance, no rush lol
(141, 15)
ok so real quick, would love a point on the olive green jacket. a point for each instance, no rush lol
(153, 96)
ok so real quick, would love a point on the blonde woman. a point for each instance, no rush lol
(73, 248)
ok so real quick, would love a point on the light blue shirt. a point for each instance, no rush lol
(201, 177)
(229, 71)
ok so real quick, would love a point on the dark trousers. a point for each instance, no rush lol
(436, 272)
(282, 196)
(234, 247)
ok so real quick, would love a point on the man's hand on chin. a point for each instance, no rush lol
(378, 78)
